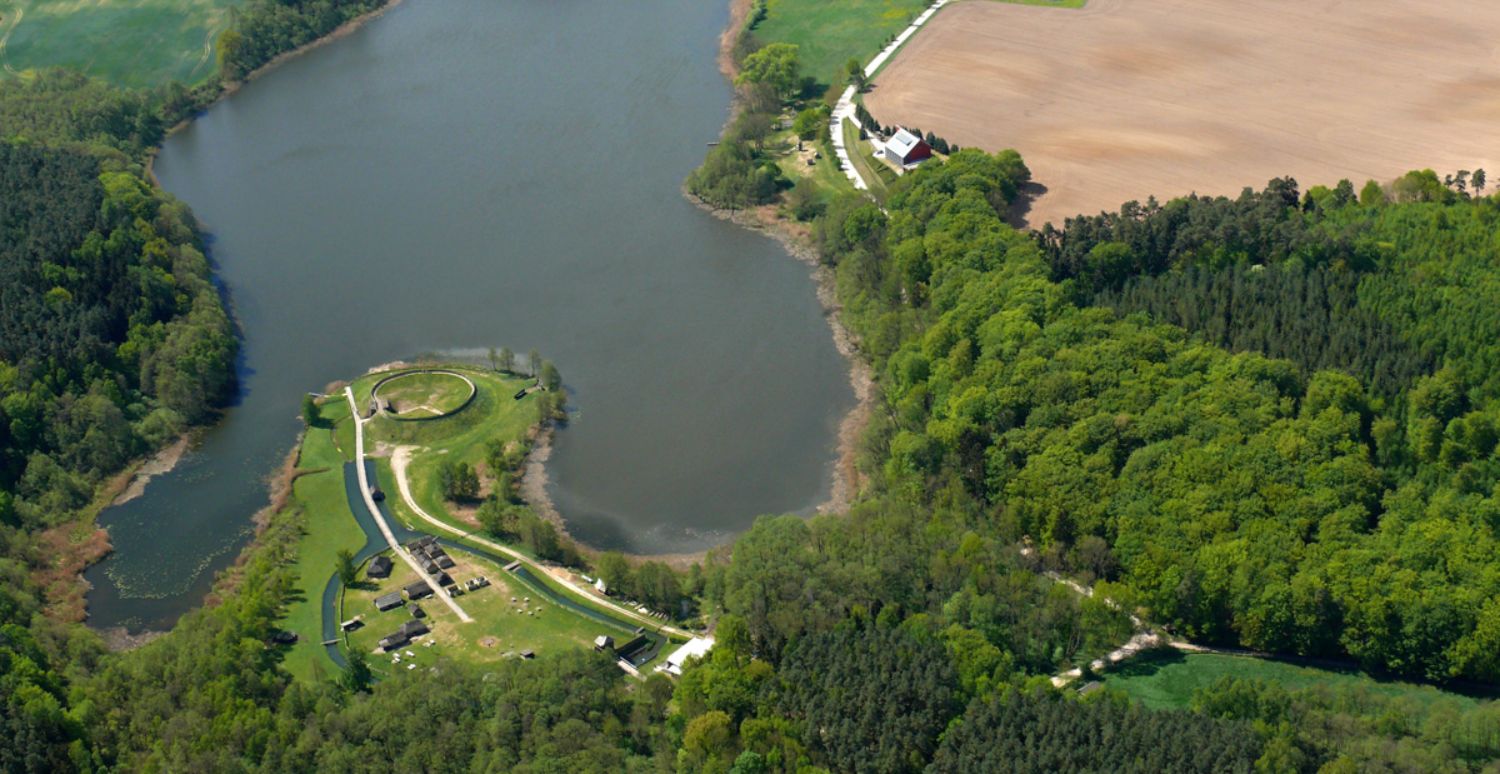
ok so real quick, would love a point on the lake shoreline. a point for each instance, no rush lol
(232, 87)
(131, 482)
(847, 480)
(533, 489)
(844, 477)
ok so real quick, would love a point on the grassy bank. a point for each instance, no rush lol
(328, 527)
(877, 175)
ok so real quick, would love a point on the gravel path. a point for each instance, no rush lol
(385, 529)
(844, 110)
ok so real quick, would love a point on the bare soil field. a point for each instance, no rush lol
(1130, 98)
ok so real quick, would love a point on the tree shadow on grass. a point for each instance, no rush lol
(1017, 215)
(1147, 664)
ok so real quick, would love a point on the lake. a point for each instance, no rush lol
(458, 175)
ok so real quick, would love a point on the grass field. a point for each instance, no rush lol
(1168, 681)
(826, 177)
(829, 34)
(422, 394)
(330, 527)
(500, 626)
(140, 43)
(494, 414)
(876, 174)
(1124, 100)
(824, 174)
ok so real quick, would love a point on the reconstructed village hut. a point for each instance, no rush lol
(380, 567)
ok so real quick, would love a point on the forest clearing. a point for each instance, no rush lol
(1126, 99)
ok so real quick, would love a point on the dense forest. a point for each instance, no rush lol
(113, 341)
(1338, 502)
(1268, 421)
(1241, 498)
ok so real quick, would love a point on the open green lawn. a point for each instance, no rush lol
(501, 627)
(420, 394)
(330, 527)
(1168, 680)
(828, 34)
(824, 174)
(141, 43)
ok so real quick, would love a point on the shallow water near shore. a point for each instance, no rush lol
(458, 175)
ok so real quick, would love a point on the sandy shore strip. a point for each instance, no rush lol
(159, 464)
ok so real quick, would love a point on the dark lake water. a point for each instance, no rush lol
(463, 174)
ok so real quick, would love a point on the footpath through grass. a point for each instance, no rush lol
(829, 34)
(877, 175)
(1169, 680)
(140, 43)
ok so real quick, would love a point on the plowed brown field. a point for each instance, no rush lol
(1130, 98)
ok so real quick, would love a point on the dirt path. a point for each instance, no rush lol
(385, 529)
(1144, 639)
(401, 460)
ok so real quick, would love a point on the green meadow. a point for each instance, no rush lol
(508, 618)
(137, 43)
(829, 34)
(1169, 680)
